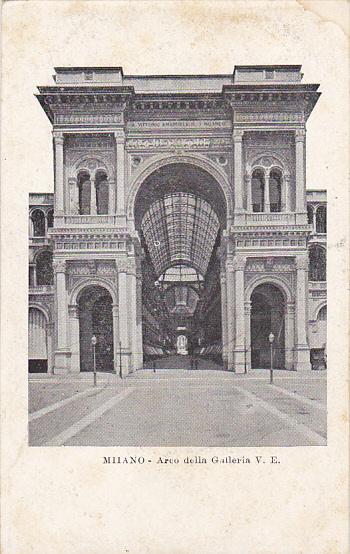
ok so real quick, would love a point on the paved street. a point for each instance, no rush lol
(178, 408)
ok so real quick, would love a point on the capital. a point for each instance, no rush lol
(237, 135)
(58, 138)
(247, 177)
(59, 266)
(73, 311)
(239, 263)
(301, 263)
(300, 135)
(119, 136)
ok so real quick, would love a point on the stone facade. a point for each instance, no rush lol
(111, 133)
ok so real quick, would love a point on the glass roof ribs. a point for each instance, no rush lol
(180, 227)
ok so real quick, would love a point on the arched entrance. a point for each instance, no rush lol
(180, 212)
(38, 347)
(96, 318)
(267, 315)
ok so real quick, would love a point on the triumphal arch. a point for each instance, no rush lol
(180, 220)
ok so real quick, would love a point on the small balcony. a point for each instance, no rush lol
(269, 218)
(38, 241)
(318, 285)
(41, 289)
(90, 220)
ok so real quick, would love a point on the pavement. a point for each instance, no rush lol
(179, 407)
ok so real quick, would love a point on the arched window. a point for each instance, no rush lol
(38, 219)
(44, 268)
(317, 263)
(310, 215)
(50, 218)
(84, 186)
(322, 314)
(101, 192)
(321, 219)
(258, 184)
(275, 184)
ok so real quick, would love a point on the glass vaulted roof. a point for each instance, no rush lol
(180, 227)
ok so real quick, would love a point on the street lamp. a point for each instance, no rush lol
(93, 343)
(271, 339)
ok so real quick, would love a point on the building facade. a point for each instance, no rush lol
(180, 220)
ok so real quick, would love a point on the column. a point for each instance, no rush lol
(224, 315)
(247, 341)
(239, 264)
(248, 185)
(300, 203)
(267, 192)
(120, 168)
(123, 320)
(111, 196)
(132, 320)
(49, 333)
(59, 173)
(139, 319)
(230, 313)
(93, 204)
(73, 312)
(238, 167)
(116, 359)
(289, 334)
(286, 184)
(73, 196)
(302, 351)
(62, 353)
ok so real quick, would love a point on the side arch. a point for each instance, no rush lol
(157, 162)
(98, 281)
(279, 282)
(318, 309)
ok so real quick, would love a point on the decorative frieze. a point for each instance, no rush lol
(268, 117)
(275, 264)
(92, 267)
(88, 142)
(88, 119)
(263, 242)
(90, 245)
(190, 143)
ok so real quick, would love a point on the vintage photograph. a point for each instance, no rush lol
(177, 272)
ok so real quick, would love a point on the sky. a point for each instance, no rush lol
(171, 37)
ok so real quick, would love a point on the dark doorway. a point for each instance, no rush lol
(267, 316)
(95, 318)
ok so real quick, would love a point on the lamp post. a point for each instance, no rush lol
(120, 361)
(93, 343)
(271, 339)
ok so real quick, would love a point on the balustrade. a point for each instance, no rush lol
(281, 218)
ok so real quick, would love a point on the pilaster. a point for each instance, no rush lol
(120, 170)
(248, 339)
(230, 284)
(62, 354)
(238, 170)
(239, 350)
(73, 312)
(223, 282)
(58, 141)
(302, 350)
(300, 192)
